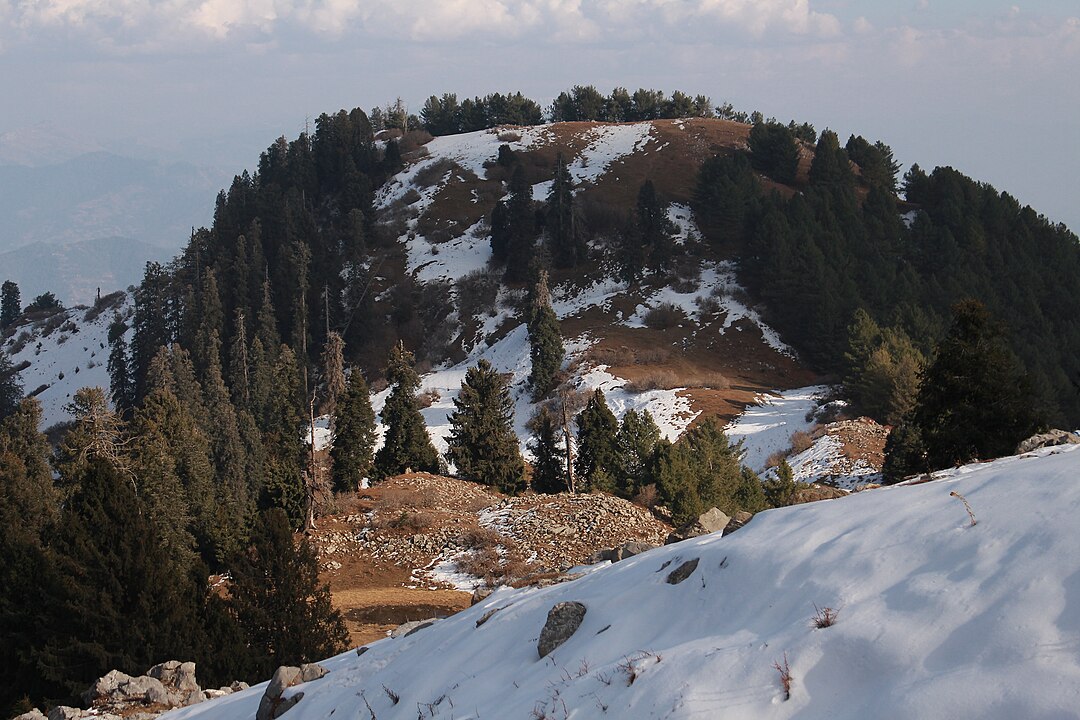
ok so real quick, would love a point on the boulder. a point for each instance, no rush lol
(627, 549)
(63, 712)
(563, 620)
(1048, 439)
(273, 705)
(739, 520)
(34, 714)
(682, 572)
(481, 594)
(710, 521)
(238, 685)
(176, 675)
(406, 629)
(120, 688)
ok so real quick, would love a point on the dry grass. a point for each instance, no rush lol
(664, 317)
(508, 136)
(800, 441)
(662, 378)
(785, 676)
(647, 497)
(824, 617)
(434, 173)
(391, 499)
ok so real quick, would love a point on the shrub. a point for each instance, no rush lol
(434, 173)
(414, 140)
(800, 441)
(508, 136)
(824, 617)
(664, 316)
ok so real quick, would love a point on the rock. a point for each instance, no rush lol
(63, 712)
(741, 518)
(710, 521)
(361, 650)
(238, 685)
(270, 706)
(312, 671)
(117, 687)
(682, 572)
(175, 675)
(1048, 439)
(563, 620)
(34, 714)
(212, 694)
(406, 629)
(630, 549)
(481, 594)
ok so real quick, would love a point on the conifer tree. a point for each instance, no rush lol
(654, 227)
(773, 151)
(152, 321)
(333, 368)
(353, 449)
(110, 600)
(636, 442)
(975, 400)
(830, 167)
(121, 387)
(96, 434)
(545, 341)
(598, 453)
(482, 443)
(406, 444)
(10, 388)
(29, 506)
(282, 609)
(239, 366)
(10, 303)
(549, 466)
(284, 486)
(780, 491)
(566, 241)
(520, 225)
(700, 471)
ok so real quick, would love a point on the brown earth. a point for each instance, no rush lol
(377, 550)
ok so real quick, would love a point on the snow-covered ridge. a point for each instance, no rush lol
(935, 618)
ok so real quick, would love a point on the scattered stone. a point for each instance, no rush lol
(615, 554)
(739, 520)
(120, 688)
(407, 629)
(481, 594)
(1047, 439)
(63, 712)
(34, 714)
(361, 650)
(213, 694)
(682, 572)
(563, 620)
(239, 685)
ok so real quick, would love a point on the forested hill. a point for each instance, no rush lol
(319, 237)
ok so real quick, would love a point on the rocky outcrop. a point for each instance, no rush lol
(274, 704)
(737, 521)
(406, 629)
(563, 620)
(1048, 439)
(710, 521)
(117, 688)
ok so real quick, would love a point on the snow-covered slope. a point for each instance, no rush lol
(65, 352)
(936, 618)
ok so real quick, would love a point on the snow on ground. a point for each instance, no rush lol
(450, 260)
(671, 412)
(72, 356)
(819, 462)
(767, 427)
(682, 217)
(607, 144)
(936, 618)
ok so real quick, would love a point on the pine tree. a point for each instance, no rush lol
(654, 227)
(10, 303)
(482, 443)
(353, 449)
(284, 485)
(121, 387)
(566, 241)
(239, 366)
(598, 454)
(333, 367)
(773, 151)
(152, 321)
(520, 225)
(406, 444)
(975, 400)
(96, 434)
(10, 388)
(545, 342)
(831, 167)
(636, 442)
(780, 491)
(284, 612)
(110, 600)
(549, 466)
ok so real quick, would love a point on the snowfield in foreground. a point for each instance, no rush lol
(936, 619)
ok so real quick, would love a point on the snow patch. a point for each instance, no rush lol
(767, 427)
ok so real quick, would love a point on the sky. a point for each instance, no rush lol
(986, 86)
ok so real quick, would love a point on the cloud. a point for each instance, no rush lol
(414, 20)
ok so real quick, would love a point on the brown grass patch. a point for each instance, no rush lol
(664, 317)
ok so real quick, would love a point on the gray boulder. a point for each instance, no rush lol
(120, 688)
(406, 629)
(739, 520)
(710, 521)
(34, 714)
(626, 550)
(63, 712)
(682, 572)
(563, 620)
(273, 705)
(175, 675)
(1048, 439)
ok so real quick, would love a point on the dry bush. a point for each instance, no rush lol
(652, 356)
(434, 173)
(648, 496)
(800, 441)
(710, 380)
(52, 323)
(480, 538)
(477, 292)
(824, 617)
(20, 343)
(707, 306)
(106, 302)
(428, 398)
(664, 316)
(656, 379)
(621, 355)
(775, 459)
(400, 498)
(508, 136)
(785, 676)
(414, 140)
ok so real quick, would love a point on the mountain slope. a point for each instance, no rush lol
(936, 618)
